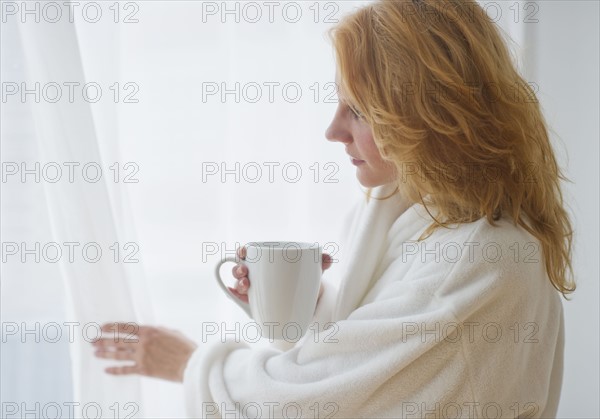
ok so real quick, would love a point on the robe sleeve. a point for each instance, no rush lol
(454, 336)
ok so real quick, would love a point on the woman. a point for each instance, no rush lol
(449, 305)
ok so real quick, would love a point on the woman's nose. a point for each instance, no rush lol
(336, 133)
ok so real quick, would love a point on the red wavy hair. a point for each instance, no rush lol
(436, 82)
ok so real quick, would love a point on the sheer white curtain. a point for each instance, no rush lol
(86, 211)
(180, 217)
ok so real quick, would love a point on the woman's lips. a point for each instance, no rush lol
(356, 162)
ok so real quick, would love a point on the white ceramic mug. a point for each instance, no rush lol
(285, 278)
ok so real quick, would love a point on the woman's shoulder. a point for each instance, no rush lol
(502, 254)
(503, 239)
(487, 241)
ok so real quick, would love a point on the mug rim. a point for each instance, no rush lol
(283, 245)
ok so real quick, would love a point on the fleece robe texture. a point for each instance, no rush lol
(462, 324)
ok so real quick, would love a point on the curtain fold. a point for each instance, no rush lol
(89, 213)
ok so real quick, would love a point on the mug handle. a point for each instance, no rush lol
(243, 305)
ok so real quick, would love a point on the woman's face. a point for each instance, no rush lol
(353, 131)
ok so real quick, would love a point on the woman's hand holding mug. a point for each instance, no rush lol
(240, 272)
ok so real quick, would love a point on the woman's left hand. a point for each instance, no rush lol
(158, 352)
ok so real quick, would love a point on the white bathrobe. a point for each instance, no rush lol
(463, 324)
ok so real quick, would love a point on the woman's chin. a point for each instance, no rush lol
(372, 175)
(366, 181)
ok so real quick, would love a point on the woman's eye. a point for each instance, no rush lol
(357, 115)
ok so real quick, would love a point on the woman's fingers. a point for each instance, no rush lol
(243, 285)
(118, 343)
(120, 354)
(239, 271)
(243, 297)
(159, 352)
(122, 345)
(127, 369)
(241, 252)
